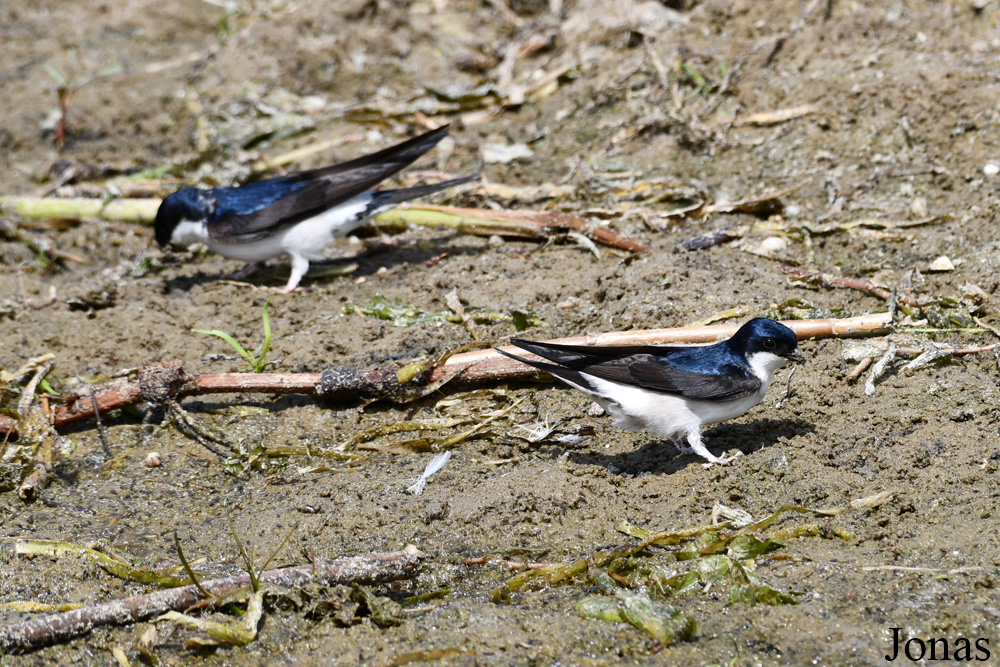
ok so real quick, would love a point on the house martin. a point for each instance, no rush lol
(673, 391)
(299, 214)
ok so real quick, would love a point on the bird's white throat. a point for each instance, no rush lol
(765, 363)
(188, 232)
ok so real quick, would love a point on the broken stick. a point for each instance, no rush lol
(52, 628)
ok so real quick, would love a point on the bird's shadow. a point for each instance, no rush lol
(661, 456)
(375, 256)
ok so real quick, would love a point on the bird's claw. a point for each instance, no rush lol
(247, 271)
(683, 448)
(716, 461)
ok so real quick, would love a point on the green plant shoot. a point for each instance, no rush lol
(255, 359)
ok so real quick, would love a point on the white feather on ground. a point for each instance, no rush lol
(433, 466)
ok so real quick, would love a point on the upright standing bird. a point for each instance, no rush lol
(673, 391)
(297, 215)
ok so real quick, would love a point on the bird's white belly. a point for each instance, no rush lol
(308, 238)
(255, 251)
(664, 415)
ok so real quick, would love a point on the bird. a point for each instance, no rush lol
(673, 391)
(298, 214)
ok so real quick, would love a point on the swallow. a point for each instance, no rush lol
(298, 214)
(673, 391)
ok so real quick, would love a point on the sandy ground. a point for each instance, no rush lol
(626, 109)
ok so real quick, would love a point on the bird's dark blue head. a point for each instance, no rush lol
(186, 204)
(763, 335)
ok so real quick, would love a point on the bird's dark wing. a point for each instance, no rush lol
(707, 373)
(258, 210)
(376, 167)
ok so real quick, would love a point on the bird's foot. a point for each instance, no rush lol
(683, 447)
(247, 271)
(717, 461)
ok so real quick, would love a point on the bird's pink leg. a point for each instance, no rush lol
(694, 439)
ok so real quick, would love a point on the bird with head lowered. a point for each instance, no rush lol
(299, 214)
(673, 391)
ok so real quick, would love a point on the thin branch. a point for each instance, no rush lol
(100, 426)
(859, 369)
(52, 628)
(168, 381)
(779, 42)
(843, 281)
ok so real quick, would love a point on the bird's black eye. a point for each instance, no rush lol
(769, 343)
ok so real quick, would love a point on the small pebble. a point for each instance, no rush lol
(568, 302)
(773, 244)
(154, 460)
(942, 263)
(595, 410)
(918, 207)
(496, 241)
(991, 169)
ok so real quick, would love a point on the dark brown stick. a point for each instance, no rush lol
(157, 384)
(958, 350)
(54, 628)
(843, 281)
(100, 426)
(543, 224)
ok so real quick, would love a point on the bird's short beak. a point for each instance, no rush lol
(796, 356)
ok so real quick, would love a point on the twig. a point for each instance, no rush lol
(512, 564)
(167, 381)
(859, 369)
(843, 281)
(189, 427)
(41, 465)
(920, 570)
(11, 232)
(27, 399)
(779, 43)
(115, 210)
(788, 389)
(879, 368)
(490, 365)
(986, 325)
(524, 224)
(100, 426)
(53, 628)
(765, 118)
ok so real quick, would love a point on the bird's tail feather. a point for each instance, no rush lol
(569, 355)
(567, 375)
(385, 162)
(389, 198)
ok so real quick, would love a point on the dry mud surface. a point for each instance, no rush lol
(907, 95)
